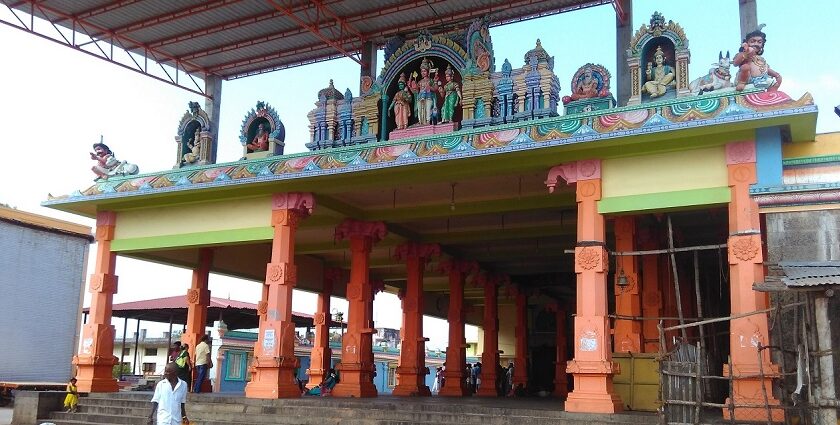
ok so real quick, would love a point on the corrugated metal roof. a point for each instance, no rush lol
(798, 274)
(235, 38)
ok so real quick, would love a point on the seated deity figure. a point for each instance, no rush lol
(195, 149)
(424, 90)
(260, 141)
(451, 93)
(400, 107)
(587, 87)
(107, 164)
(752, 68)
(658, 78)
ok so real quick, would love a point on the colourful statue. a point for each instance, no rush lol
(425, 97)
(588, 83)
(451, 93)
(658, 78)
(716, 79)
(195, 148)
(260, 141)
(753, 69)
(107, 164)
(401, 105)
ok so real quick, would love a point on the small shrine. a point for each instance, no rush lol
(262, 133)
(658, 58)
(194, 139)
(331, 123)
(590, 90)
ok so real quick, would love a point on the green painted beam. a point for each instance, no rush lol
(664, 200)
(184, 240)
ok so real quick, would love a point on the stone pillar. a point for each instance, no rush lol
(561, 380)
(456, 354)
(356, 367)
(623, 34)
(592, 366)
(749, 16)
(321, 356)
(95, 361)
(490, 356)
(520, 361)
(745, 268)
(651, 291)
(628, 333)
(213, 87)
(198, 299)
(412, 371)
(369, 50)
(274, 352)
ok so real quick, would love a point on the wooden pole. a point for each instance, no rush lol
(697, 293)
(676, 278)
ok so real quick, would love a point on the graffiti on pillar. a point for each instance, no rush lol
(269, 340)
(86, 345)
(589, 340)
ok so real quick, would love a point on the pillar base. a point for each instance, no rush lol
(487, 388)
(355, 380)
(580, 402)
(748, 392)
(593, 391)
(411, 382)
(95, 375)
(455, 385)
(316, 376)
(272, 379)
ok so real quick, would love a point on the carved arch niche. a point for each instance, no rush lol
(194, 140)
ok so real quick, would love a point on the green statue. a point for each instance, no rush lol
(451, 93)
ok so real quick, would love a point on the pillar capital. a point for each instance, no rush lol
(409, 250)
(465, 267)
(334, 274)
(106, 222)
(303, 202)
(572, 172)
(349, 228)
(740, 152)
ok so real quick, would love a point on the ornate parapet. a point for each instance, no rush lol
(270, 144)
(194, 139)
(332, 122)
(659, 39)
(590, 90)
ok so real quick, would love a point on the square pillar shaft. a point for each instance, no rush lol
(490, 356)
(628, 333)
(456, 355)
(561, 379)
(321, 355)
(520, 363)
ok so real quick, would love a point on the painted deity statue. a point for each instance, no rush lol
(260, 141)
(660, 77)
(752, 68)
(195, 149)
(401, 105)
(451, 93)
(425, 96)
(587, 87)
(107, 164)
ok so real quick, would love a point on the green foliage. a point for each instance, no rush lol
(126, 370)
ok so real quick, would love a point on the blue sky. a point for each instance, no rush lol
(55, 102)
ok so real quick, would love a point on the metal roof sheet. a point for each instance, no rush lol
(818, 273)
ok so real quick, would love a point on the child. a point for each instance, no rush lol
(72, 398)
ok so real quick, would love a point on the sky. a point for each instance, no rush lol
(56, 102)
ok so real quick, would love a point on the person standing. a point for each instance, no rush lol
(182, 360)
(202, 362)
(71, 400)
(169, 399)
(174, 351)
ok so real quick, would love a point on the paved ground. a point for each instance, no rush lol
(5, 416)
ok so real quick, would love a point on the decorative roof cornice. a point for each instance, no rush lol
(648, 118)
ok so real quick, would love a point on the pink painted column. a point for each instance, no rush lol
(490, 356)
(198, 299)
(412, 370)
(520, 362)
(456, 353)
(561, 380)
(95, 361)
(274, 352)
(745, 268)
(321, 355)
(356, 368)
(651, 291)
(628, 333)
(592, 366)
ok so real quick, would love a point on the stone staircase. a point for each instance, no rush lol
(213, 409)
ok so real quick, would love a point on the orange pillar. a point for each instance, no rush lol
(456, 354)
(274, 352)
(490, 356)
(592, 366)
(745, 268)
(412, 371)
(561, 380)
(95, 362)
(321, 355)
(520, 362)
(628, 333)
(356, 367)
(198, 299)
(651, 292)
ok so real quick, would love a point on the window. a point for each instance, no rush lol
(149, 368)
(392, 376)
(151, 351)
(235, 365)
(126, 352)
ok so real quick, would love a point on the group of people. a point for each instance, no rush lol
(504, 380)
(179, 354)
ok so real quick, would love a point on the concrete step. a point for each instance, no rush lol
(93, 418)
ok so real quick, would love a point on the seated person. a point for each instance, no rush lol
(260, 142)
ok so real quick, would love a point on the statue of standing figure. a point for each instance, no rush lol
(451, 93)
(400, 107)
(752, 68)
(425, 97)
(658, 78)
